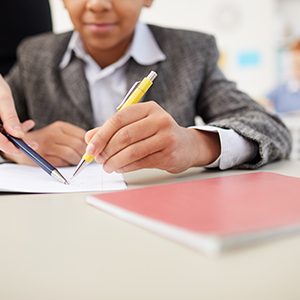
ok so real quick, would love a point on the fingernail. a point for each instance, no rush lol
(90, 148)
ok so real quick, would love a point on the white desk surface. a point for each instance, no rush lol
(56, 247)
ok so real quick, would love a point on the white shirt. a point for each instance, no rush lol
(108, 87)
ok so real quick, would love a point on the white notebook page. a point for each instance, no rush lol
(19, 178)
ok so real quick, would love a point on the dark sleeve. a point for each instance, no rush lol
(221, 104)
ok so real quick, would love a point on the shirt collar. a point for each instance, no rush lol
(144, 48)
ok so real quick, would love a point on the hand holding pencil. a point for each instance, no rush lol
(144, 135)
(12, 130)
(134, 95)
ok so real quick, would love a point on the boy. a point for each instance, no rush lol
(73, 82)
(285, 97)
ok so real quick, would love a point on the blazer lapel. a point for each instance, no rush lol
(76, 86)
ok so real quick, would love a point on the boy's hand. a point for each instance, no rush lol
(144, 135)
(10, 120)
(60, 143)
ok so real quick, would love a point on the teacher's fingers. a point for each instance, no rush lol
(27, 125)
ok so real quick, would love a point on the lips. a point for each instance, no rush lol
(104, 27)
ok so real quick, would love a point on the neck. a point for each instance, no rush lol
(107, 57)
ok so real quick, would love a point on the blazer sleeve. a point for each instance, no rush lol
(222, 105)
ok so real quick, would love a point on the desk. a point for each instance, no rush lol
(56, 247)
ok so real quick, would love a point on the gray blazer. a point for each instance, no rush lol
(190, 84)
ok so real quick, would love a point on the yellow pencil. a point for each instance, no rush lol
(135, 94)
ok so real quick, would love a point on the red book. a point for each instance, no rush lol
(212, 215)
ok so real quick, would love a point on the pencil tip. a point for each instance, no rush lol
(55, 173)
(79, 168)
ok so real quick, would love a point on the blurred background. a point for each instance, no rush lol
(254, 38)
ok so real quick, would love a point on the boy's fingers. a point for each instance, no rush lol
(120, 119)
(72, 130)
(133, 153)
(144, 163)
(57, 162)
(26, 126)
(131, 134)
(65, 153)
(90, 134)
(77, 144)
(33, 144)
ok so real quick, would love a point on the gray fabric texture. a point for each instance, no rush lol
(190, 84)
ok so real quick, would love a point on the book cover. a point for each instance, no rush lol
(212, 215)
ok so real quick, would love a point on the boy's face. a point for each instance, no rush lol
(105, 25)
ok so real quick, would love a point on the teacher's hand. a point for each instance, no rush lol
(60, 143)
(10, 120)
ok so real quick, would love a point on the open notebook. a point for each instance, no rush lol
(212, 215)
(25, 179)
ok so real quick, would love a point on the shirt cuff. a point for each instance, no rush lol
(235, 149)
